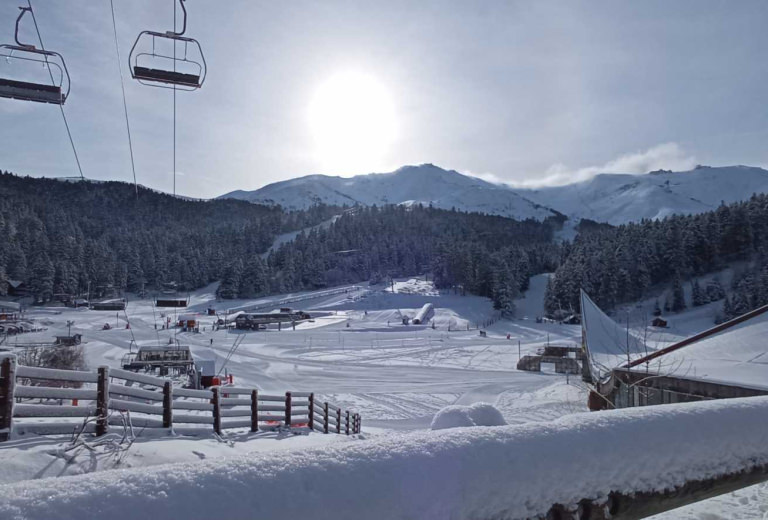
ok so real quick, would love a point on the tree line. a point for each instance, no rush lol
(480, 254)
(70, 238)
(620, 264)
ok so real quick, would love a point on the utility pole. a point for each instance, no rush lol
(628, 357)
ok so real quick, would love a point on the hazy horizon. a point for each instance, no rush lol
(520, 93)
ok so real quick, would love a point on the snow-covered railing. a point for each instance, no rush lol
(152, 402)
(626, 463)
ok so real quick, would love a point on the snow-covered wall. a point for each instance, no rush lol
(464, 473)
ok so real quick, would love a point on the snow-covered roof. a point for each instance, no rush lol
(163, 348)
(736, 355)
(607, 343)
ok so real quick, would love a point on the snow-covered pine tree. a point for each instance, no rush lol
(698, 296)
(678, 294)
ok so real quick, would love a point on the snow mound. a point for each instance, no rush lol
(484, 414)
(458, 416)
(454, 416)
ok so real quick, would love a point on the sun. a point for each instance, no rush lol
(352, 120)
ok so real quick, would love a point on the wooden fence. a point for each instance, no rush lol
(42, 401)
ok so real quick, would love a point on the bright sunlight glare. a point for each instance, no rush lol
(352, 119)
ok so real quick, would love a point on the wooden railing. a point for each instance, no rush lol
(153, 402)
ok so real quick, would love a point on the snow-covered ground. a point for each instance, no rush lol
(355, 353)
(478, 472)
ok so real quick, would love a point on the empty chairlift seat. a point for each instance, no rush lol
(31, 74)
(166, 76)
(168, 59)
(26, 91)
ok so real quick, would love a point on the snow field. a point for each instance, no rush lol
(496, 472)
(397, 377)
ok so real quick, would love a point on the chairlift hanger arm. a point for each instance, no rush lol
(184, 25)
(16, 33)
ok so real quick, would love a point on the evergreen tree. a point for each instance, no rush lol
(698, 296)
(43, 274)
(714, 290)
(230, 285)
(678, 294)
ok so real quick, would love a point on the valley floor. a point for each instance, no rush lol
(355, 353)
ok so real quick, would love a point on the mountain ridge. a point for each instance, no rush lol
(614, 198)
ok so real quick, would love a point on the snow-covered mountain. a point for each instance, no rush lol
(610, 197)
(426, 184)
(621, 198)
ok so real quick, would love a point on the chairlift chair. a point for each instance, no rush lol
(55, 92)
(151, 67)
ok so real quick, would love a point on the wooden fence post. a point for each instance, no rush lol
(167, 405)
(325, 418)
(346, 423)
(255, 411)
(338, 420)
(311, 422)
(102, 402)
(287, 409)
(216, 402)
(7, 385)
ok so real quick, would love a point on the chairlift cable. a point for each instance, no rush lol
(63, 115)
(174, 98)
(125, 104)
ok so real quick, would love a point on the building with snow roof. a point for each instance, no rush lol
(728, 360)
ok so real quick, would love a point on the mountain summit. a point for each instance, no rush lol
(426, 184)
(615, 198)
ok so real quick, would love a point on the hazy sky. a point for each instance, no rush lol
(524, 92)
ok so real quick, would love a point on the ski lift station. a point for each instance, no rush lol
(166, 359)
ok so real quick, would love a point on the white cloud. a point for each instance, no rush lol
(487, 177)
(665, 156)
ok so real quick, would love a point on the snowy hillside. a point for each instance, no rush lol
(621, 198)
(426, 184)
(612, 197)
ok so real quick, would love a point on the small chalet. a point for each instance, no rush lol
(659, 322)
(17, 288)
